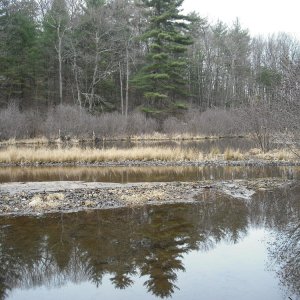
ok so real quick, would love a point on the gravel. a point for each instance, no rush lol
(35, 198)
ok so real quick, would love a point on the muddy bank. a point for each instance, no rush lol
(48, 197)
(158, 163)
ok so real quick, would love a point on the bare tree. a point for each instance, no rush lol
(258, 120)
(56, 19)
(288, 101)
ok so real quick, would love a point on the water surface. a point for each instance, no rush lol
(143, 174)
(203, 145)
(217, 248)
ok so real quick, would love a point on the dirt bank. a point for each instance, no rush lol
(47, 197)
(158, 163)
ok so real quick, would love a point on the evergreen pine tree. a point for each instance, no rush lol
(18, 36)
(162, 79)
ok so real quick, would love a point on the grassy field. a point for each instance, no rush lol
(16, 155)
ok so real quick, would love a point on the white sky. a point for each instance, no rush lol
(259, 16)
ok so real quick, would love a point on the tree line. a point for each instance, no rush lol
(123, 55)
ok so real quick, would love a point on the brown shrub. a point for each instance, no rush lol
(138, 124)
(17, 125)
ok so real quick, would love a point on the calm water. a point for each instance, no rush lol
(204, 145)
(217, 248)
(142, 174)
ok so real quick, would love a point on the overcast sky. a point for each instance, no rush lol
(259, 16)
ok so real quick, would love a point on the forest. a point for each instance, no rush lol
(141, 66)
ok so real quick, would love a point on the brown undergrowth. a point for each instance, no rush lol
(17, 155)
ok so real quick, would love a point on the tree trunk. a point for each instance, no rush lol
(92, 95)
(127, 83)
(121, 89)
(75, 68)
(59, 53)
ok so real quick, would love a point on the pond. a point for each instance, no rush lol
(217, 248)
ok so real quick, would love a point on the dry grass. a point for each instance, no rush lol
(231, 154)
(55, 196)
(16, 155)
(157, 136)
(37, 141)
(215, 151)
(254, 151)
(144, 196)
(282, 154)
(214, 154)
(89, 203)
(50, 201)
(75, 154)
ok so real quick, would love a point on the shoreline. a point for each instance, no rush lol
(39, 198)
(150, 138)
(159, 163)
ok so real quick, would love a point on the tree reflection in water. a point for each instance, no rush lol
(148, 241)
(284, 251)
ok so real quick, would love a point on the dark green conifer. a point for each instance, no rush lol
(163, 78)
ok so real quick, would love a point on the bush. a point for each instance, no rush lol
(173, 125)
(138, 123)
(33, 121)
(218, 122)
(258, 120)
(71, 121)
(109, 125)
(12, 123)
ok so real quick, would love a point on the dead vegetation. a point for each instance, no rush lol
(22, 155)
(144, 196)
(70, 123)
(48, 201)
(89, 155)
